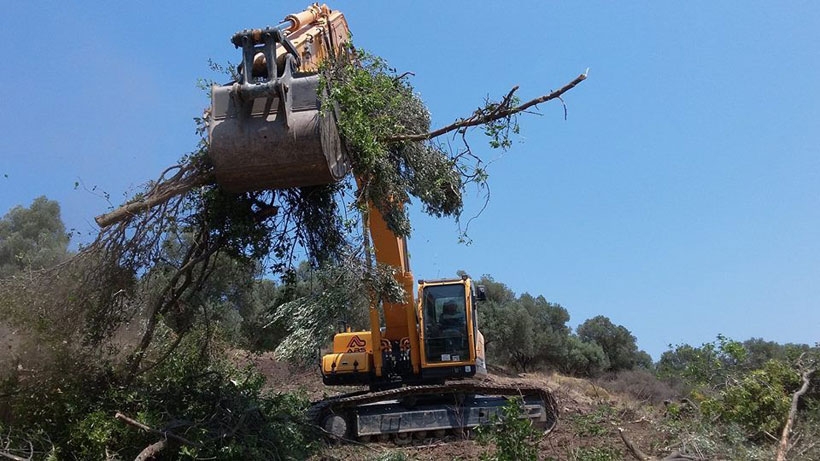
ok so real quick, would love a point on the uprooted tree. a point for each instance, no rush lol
(146, 289)
(392, 152)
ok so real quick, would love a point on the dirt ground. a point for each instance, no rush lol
(587, 428)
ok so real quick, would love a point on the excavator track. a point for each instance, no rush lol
(419, 411)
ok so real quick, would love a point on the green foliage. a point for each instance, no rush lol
(713, 440)
(32, 238)
(374, 104)
(530, 332)
(593, 424)
(220, 408)
(511, 433)
(583, 358)
(377, 110)
(744, 390)
(758, 401)
(336, 294)
(526, 332)
(616, 341)
(712, 363)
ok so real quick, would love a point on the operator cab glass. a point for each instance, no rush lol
(445, 324)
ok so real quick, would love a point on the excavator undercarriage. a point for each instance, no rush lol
(427, 410)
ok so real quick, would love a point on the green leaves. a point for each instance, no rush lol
(375, 105)
(335, 294)
(32, 238)
(512, 434)
(758, 401)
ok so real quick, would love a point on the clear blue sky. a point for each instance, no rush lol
(681, 198)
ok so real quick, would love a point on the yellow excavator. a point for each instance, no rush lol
(420, 358)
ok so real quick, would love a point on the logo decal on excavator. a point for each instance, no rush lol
(356, 344)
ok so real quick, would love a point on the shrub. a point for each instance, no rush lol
(593, 424)
(220, 408)
(641, 385)
(512, 433)
(757, 401)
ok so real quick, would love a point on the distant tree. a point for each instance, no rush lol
(760, 351)
(582, 358)
(32, 238)
(496, 291)
(525, 332)
(644, 360)
(618, 343)
(707, 365)
(550, 321)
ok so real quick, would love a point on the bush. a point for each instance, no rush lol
(223, 410)
(512, 433)
(595, 424)
(758, 401)
(641, 385)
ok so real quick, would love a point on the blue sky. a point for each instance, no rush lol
(680, 198)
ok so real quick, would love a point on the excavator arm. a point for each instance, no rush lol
(267, 130)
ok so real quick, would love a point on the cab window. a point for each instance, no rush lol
(445, 323)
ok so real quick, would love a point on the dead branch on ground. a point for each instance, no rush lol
(152, 451)
(151, 430)
(639, 454)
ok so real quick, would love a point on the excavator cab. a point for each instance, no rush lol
(267, 129)
(451, 345)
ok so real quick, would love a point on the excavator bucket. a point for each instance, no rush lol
(268, 130)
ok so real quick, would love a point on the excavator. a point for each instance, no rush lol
(422, 359)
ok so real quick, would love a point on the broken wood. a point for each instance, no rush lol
(13, 457)
(152, 451)
(637, 453)
(165, 434)
(783, 446)
(162, 191)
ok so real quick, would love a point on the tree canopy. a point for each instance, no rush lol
(32, 238)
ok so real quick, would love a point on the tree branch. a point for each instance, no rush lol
(165, 434)
(494, 115)
(783, 447)
(637, 453)
(13, 457)
(152, 451)
(158, 195)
